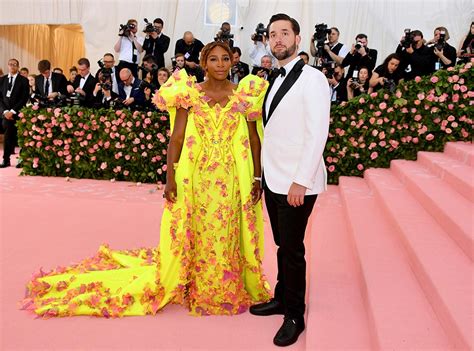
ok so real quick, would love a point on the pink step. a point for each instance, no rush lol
(441, 267)
(450, 209)
(457, 174)
(462, 151)
(334, 297)
(400, 316)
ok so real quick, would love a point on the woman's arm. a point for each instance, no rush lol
(174, 152)
(374, 80)
(257, 168)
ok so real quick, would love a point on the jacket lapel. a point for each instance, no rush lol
(290, 79)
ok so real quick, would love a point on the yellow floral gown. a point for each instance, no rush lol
(209, 257)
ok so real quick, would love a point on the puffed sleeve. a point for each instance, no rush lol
(179, 92)
(252, 89)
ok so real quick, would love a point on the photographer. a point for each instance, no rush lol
(49, 85)
(265, 69)
(335, 77)
(260, 45)
(360, 56)
(332, 49)
(388, 74)
(103, 94)
(179, 62)
(304, 55)
(224, 34)
(359, 83)
(149, 88)
(149, 69)
(239, 69)
(129, 47)
(466, 46)
(129, 92)
(190, 47)
(444, 55)
(417, 58)
(83, 85)
(108, 63)
(156, 43)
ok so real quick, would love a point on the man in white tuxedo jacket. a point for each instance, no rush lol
(296, 125)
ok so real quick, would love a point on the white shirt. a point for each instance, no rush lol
(258, 51)
(13, 81)
(278, 82)
(114, 81)
(83, 80)
(343, 51)
(128, 88)
(126, 48)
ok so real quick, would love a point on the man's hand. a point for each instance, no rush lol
(80, 91)
(327, 48)
(410, 50)
(362, 51)
(96, 89)
(191, 64)
(9, 115)
(128, 101)
(53, 95)
(296, 195)
(261, 73)
(70, 89)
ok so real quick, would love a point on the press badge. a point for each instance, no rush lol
(187, 55)
(437, 66)
(9, 93)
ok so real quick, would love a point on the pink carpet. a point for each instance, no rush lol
(389, 262)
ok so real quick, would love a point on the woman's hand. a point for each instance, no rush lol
(171, 191)
(256, 192)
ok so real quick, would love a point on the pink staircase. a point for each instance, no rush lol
(403, 260)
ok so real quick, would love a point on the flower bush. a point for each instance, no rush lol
(422, 115)
(368, 131)
(98, 144)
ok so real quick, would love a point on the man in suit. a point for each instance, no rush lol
(49, 84)
(157, 43)
(296, 124)
(109, 63)
(14, 93)
(84, 83)
(129, 91)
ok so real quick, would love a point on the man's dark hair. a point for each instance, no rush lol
(150, 58)
(227, 23)
(159, 21)
(44, 65)
(303, 53)
(361, 36)
(109, 54)
(388, 58)
(417, 32)
(236, 49)
(84, 61)
(25, 69)
(284, 17)
(179, 55)
(14, 59)
(335, 28)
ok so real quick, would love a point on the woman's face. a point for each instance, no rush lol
(73, 75)
(31, 79)
(218, 63)
(162, 77)
(472, 28)
(363, 74)
(392, 65)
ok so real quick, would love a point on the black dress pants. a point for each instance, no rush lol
(288, 226)
(10, 138)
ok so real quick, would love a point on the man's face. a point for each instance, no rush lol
(109, 61)
(83, 70)
(13, 67)
(338, 73)
(180, 61)
(333, 36)
(225, 28)
(235, 58)
(24, 73)
(158, 27)
(126, 77)
(363, 41)
(418, 40)
(283, 41)
(266, 62)
(46, 73)
(188, 39)
(148, 65)
(162, 77)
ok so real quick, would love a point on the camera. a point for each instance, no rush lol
(144, 85)
(153, 68)
(389, 84)
(408, 39)
(320, 36)
(260, 32)
(358, 45)
(441, 41)
(124, 30)
(76, 99)
(266, 70)
(330, 67)
(223, 35)
(106, 72)
(355, 79)
(238, 68)
(149, 27)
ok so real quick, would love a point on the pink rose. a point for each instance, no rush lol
(417, 118)
(455, 98)
(382, 105)
(463, 88)
(360, 167)
(103, 165)
(361, 100)
(455, 78)
(373, 95)
(430, 137)
(331, 168)
(434, 79)
(456, 87)
(374, 155)
(417, 79)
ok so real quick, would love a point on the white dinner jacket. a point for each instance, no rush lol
(295, 134)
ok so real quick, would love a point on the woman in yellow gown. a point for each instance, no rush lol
(210, 253)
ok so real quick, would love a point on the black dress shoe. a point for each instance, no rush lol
(267, 308)
(289, 332)
(5, 164)
(19, 165)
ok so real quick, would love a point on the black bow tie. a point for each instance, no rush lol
(281, 71)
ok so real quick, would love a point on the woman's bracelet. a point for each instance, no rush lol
(258, 179)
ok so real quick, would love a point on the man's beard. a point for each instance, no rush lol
(283, 55)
